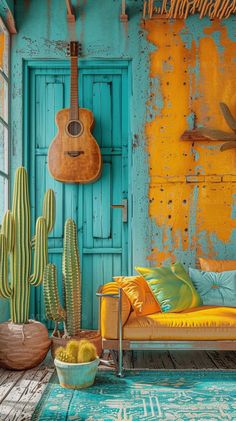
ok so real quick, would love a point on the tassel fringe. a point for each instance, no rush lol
(172, 9)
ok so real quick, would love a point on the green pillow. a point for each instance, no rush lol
(172, 287)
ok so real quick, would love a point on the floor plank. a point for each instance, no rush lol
(224, 359)
(202, 360)
(8, 381)
(183, 359)
(148, 360)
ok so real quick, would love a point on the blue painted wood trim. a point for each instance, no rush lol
(96, 250)
(83, 64)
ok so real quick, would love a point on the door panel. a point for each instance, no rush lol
(102, 204)
(103, 237)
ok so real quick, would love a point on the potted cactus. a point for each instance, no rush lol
(70, 314)
(76, 364)
(23, 343)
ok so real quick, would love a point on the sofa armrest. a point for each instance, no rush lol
(109, 310)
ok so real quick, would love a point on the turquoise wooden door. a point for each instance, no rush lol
(102, 232)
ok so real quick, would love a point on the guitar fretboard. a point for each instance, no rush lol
(74, 104)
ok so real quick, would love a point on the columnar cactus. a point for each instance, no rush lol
(71, 315)
(15, 242)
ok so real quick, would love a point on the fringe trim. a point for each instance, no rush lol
(172, 9)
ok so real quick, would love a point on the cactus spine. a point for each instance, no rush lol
(87, 352)
(71, 315)
(15, 241)
(77, 352)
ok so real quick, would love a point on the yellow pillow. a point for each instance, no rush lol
(209, 265)
(139, 294)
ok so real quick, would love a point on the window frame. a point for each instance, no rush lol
(5, 172)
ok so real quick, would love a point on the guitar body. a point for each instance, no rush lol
(75, 158)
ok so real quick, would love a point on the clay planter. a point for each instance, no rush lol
(76, 376)
(91, 335)
(23, 346)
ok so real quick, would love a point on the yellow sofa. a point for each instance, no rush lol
(200, 328)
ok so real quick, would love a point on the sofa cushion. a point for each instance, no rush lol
(202, 323)
(109, 311)
(172, 287)
(215, 288)
(217, 265)
(139, 294)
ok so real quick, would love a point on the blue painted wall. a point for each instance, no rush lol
(180, 69)
(43, 32)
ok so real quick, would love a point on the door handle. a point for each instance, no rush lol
(124, 207)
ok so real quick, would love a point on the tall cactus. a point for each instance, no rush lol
(71, 315)
(15, 242)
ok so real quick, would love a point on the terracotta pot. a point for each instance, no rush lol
(92, 336)
(76, 376)
(23, 346)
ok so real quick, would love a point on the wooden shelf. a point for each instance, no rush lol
(196, 136)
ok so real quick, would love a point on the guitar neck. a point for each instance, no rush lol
(74, 103)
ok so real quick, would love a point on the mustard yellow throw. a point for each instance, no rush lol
(172, 287)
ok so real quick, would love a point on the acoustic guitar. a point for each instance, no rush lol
(74, 155)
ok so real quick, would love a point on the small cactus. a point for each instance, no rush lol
(87, 352)
(84, 341)
(63, 355)
(77, 352)
(73, 348)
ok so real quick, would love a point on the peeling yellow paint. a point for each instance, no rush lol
(191, 81)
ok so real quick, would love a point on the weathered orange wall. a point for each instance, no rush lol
(192, 185)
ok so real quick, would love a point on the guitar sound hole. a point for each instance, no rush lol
(74, 128)
(74, 154)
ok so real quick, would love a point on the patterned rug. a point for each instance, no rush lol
(144, 395)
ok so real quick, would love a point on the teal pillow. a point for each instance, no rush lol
(172, 287)
(215, 288)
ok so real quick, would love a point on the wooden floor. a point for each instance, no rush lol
(181, 360)
(20, 391)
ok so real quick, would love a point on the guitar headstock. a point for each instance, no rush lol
(74, 49)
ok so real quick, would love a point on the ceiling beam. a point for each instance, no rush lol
(7, 16)
(123, 15)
